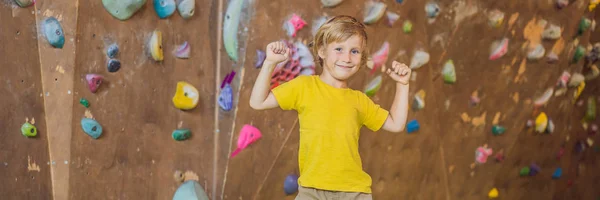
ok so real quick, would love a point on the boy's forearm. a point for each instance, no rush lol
(260, 91)
(399, 110)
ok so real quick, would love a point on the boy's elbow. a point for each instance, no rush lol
(398, 129)
(256, 106)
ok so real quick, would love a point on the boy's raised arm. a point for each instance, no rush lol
(261, 98)
(396, 120)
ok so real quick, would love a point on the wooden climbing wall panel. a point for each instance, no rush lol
(136, 157)
(24, 162)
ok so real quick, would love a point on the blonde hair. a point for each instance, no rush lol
(339, 29)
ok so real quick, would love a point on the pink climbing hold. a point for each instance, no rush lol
(294, 24)
(381, 56)
(94, 81)
(248, 135)
(482, 154)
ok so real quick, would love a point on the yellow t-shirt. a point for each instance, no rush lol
(330, 121)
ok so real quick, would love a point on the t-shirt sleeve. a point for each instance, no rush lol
(373, 115)
(288, 94)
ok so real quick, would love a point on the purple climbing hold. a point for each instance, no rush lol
(226, 98)
(580, 146)
(533, 169)
(228, 78)
(113, 65)
(260, 58)
(290, 186)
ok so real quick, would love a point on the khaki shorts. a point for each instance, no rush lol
(316, 194)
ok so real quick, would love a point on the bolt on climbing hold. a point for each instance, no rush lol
(91, 127)
(541, 122)
(260, 58)
(557, 173)
(293, 25)
(449, 72)
(230, 28)
(495, 18)
(562, 3)
(533, 169)
(419, 100)
(584, 25)
(590, 112)
(53, 32)
(482, 153)
(179, 176)
(248, 135)
(24, 3)
(407, 26)
(186, 96)
(226, 98)
(84, 102)
(183, 51)
(536, 53)
(190, 190)
(498, 130)
(392, 17)
(123, 9)
(112, 51)
(164, 8)
(373, 86)
(493, 193)
(432, 9)
(28, 130)
(499, 48)
(374, 10)
(290, 185)
(578, 54)
(113, 65)
(524, 171)
(155, 46)
(186, 8)
(94, 81)
(330, 3)
(412, 126)
(181, 134)
(544, 98)
(419, 59)
(552, 32)
(380, 57)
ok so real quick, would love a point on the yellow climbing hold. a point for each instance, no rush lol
(541, 122)
(593, 4)
(493, 193)
(578, 92)
(155, 46)
(186, 96)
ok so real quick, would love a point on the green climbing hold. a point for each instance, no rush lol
(407, 27)
(524, 171)
(579, 52)
(28, 130)
(91, 127)
(449, 72)
(84, 102)
(584, 25)
(590, 112)
(24, 3)
(181, 134)
(498, 130)
(373, 86)
(123, 9)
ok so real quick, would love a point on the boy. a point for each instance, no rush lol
(330, 113)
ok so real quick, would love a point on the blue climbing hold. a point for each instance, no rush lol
(53, 32)
(190, 190)
(91, 127)
(226, 98)
(557, 173)
(399, 1)
(164, 8)
(290, 186)
(412, 126)
(112, 51)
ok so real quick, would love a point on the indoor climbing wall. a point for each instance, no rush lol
(24, 158)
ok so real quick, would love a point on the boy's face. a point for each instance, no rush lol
(341, 60)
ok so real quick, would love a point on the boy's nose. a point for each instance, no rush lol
(346, 57)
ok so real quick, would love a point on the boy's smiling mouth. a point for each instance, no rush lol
(345, 66)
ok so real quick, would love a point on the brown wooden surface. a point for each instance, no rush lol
(24, 168)
(135, 157)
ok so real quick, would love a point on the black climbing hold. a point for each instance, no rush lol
(112, 51)
(114, 65)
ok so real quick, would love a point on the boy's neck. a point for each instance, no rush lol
(330, 80)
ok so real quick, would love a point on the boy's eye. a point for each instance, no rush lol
(355, 52)
(338, 49)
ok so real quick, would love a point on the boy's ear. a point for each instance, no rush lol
(321, 52)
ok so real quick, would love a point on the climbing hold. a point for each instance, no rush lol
(248, 135)
(228, 78)
(544, 98)
(164, 8)
(53, 32)
(374, 11)
(113, 65)
(474, 100)
(373, 86)
(499, 157)
(557, 173)
(94, 81)
(190, 190)
(181, 134)
(226, 98)
(541, 122)
(91, 127)
(534, 169)
(183, 51)
(28, 130)
(498, 49)
(112, 51)
(524, 171)
(529, 123)
(419, 59)
(498, 130)
(579, 53)
(330, 3)
(380, 57)
(482, 153)
(584, 25)
(594, 54)
(290, 185)
(293, 25)
(593, 4)
(24, 3)
(399, 1)
(563, 80)
(317, 23)
(407, 27)
(186, 96)
(579, 146)
(578, 91)
(155, 46)
(84, 102)
(419, 100)
(432, 9)
(493, 193)
(179, 176)
(593, 129)
(495, 18)
(594, 72)
(230, 28)
(560, 153)
(553, 32)
(536, 53)
(562, 3)
(448, 72)
(590, 112)
(550, 128)
(122, 9)
(575, 80)
(392, 17)
(412, 126)
(552, 57)
(186, 8)
(260, 58)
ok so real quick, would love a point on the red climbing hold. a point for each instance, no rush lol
(94, 81)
